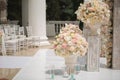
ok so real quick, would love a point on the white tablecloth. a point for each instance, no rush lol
(36, 68)
(14, 61)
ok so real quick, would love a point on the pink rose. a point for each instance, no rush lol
(64, 45)
(72, 48)
(74, 40)
(91, 9)
(54, 47)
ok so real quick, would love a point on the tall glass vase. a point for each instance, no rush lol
(70, 63)
(92, 34)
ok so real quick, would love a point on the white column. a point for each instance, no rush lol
(25, 12)
(37, 19)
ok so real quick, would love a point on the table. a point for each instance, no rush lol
(36, 68)
(14, 61)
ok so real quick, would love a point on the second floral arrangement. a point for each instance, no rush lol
(70, 41)
(92, 12)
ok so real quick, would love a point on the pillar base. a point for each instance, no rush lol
(44, 41)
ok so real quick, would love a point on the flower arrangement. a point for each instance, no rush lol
(0, 37)
(70, 41)
(92, 12)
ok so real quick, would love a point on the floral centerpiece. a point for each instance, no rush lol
(93, 11)
(70, 41)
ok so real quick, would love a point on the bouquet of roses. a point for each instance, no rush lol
(92, 12)
(70, 41)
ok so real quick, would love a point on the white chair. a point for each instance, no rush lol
(21, 32)
(29, 39)
(2, 43)
(22, 39)
(35, 39)
(29, 42)
(11, 43)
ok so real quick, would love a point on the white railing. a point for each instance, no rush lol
(53, 27)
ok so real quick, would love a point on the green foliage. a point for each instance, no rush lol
(14, 10)
(66, 9)
(56, 9)
(53, 10)
(62, 9)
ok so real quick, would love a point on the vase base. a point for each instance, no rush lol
(65, 75)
